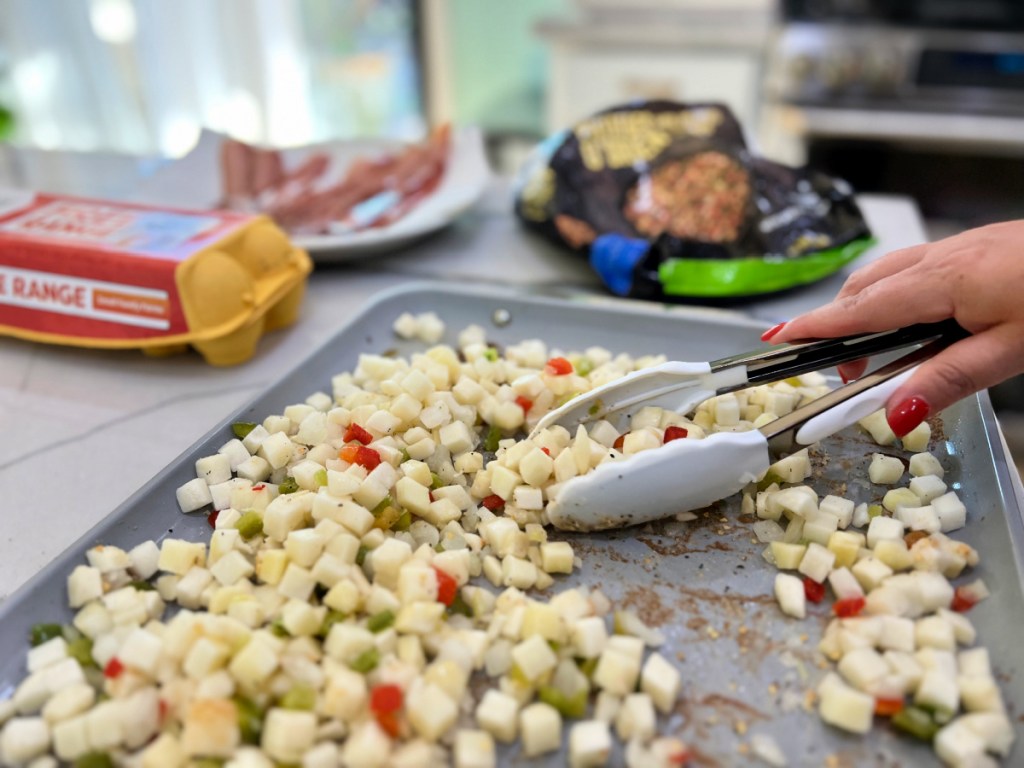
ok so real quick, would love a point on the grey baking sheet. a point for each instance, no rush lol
(746, 669)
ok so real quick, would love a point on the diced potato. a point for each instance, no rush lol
(925, 464)
(636, 718)
(918, 438)
(844, 707)
(885, 470)
(788, 556)
(431, 712)
(497, 713)
(862, 668)
(211, 729)
(789, 591)
(24, 738)
(590, 744)
(288, 734)
(878, 427)
(474, 749)
(661, 681)
(540, 729)
(817, 562)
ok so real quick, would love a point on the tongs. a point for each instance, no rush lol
(688, 474)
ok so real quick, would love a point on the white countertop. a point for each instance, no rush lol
(83, 429)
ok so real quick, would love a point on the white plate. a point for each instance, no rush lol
(194, 181)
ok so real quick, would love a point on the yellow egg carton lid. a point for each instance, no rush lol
(113, 275)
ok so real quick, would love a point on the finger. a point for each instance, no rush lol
(852, 370)
(886, 266)
(970, 365)
(908, 297)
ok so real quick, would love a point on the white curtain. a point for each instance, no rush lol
(144, 76)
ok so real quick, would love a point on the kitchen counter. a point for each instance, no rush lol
(83, 429)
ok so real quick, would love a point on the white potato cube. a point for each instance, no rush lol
(430, 710)
(951, 512)
(878, 427)
(534, 657)
(141, 650)
(254, 663)
(863, 667)
(255, 469)
(617, 672)
(589, 637)
(918, 438)
(838, 506)
(882, 527)
(817, 562)
(214, 469)
(928, 487)
(958, 746)
(473, 748)
(636, 718)
(556, 557)
(789, 592)
(288, 734)
(844, 707)
(661, 681)
(590, 744)
(276, 449)
(540, 729)
(193, 495)
(497, 714)
(68, 702)
(211, 728)
(938, 689)
(885, 470)
(24, 738)
(178, 556)
(925, 464)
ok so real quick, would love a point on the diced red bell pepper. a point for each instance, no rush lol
(212, 518)
(547, 451)
(385, 697)
(385, 702)
(163, 709)
(675, 433)
(361, 455)
(259, 487)
(558, 366)
(388, 722)
(848, 607)
(113, 669)
(355, 432)
(682, 757)
(447, 587)
(886, 706)
(620, 441)
(494, 502)
(813, 590)
(525, 403)
(963, 600)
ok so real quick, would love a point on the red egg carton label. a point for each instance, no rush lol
(95, 269)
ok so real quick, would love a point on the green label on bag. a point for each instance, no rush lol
(722, 278)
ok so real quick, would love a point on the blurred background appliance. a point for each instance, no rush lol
(921, 97)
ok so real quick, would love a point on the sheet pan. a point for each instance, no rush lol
(746, 668)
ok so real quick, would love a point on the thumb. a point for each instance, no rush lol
(970, 365)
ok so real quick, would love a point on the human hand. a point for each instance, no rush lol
(976, 277)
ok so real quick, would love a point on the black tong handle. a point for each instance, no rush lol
(785, 360)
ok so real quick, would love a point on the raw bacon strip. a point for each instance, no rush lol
(255, 179)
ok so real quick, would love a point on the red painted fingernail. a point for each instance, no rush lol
(772, 331)
(907, 415)
(844, 377)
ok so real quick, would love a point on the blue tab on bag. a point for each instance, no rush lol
(613, 257)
